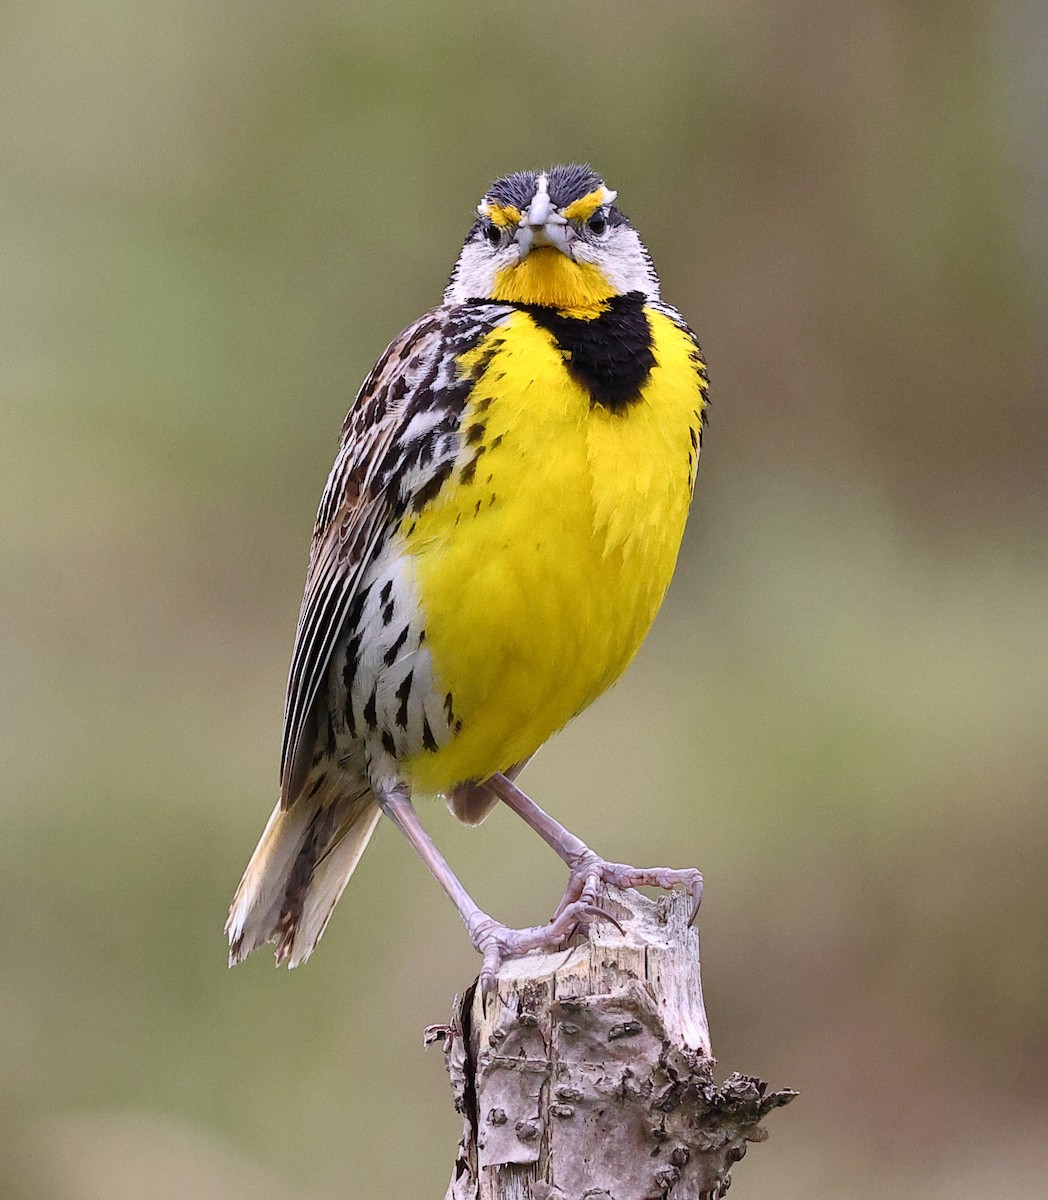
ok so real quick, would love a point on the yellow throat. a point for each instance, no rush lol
(551, 279)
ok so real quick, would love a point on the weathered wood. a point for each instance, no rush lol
(589, 1075)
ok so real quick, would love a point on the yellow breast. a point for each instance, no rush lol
(542, 564)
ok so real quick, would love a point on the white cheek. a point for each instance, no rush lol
(475, 276)
(621, 257)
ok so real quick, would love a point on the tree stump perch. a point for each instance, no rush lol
(589, 1075)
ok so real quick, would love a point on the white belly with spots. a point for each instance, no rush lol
(382, 690)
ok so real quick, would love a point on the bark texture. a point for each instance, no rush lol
(589, 1075)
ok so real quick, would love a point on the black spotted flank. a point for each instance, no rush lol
(431, 488)
(403, 695)
(371, 712)
(610, 355)
(390, 657)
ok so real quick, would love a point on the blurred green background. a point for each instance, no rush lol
(212, 219)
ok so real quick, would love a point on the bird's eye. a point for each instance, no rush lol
(597, 223)
(493, 233)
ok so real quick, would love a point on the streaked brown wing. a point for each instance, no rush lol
(400, 433)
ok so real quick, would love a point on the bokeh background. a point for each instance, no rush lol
(212, 219)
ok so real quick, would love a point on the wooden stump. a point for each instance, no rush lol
(589, 1075)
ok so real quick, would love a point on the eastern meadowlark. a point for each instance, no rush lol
(494, 540)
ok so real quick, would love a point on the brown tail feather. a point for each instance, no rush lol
(299, 869)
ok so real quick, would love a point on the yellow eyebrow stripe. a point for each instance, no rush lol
(503, 215)
(585, 206)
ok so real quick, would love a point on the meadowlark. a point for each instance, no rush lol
(494, 540)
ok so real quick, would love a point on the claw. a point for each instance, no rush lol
(497, 942)
(591, 871)
(602, 914)
(577, 910)
(488, 971)
(575, 891)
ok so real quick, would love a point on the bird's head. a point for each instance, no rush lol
(553, 238)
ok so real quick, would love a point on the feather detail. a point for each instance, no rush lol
(300, 868)
(397, 449)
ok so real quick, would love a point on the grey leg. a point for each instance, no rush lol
(494, 940)
(587, 868)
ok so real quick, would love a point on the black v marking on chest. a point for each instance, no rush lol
(610, 355)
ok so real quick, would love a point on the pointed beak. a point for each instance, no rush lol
(542, 225)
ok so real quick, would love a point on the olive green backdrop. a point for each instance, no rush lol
(212, 218)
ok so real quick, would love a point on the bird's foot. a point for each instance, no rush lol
(589, 871)
(496, 941)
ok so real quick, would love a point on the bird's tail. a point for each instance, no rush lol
(300, 867)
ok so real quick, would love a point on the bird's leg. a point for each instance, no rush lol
(494, 940)
(587, 868)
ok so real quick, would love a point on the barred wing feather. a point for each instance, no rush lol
(410, 403)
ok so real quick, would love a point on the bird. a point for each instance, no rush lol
(496, 535)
